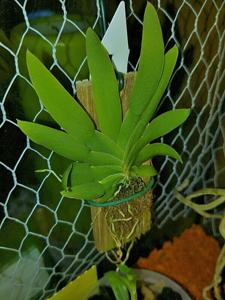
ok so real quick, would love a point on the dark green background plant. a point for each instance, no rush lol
(120, 148)
(123, 282)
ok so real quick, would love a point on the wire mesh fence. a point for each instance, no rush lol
(46, 240)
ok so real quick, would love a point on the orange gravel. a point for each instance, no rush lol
(189, 259)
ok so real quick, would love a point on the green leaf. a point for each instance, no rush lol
(66, 176)
(100, 172)
(91, 190)
(63, 108)
(55, 140)
(157, 149)
(129, 278)
(170, 61)
(222, 227)
(164, 123)
(151, 62)
(111, 179)
(81, 288)
(99, 158)
(118, 286)
(110, 183)
(83, 172)
(149, 72)
(143, 171)
(110, 190)
(160, 126)
(105, 86)
(102, 143)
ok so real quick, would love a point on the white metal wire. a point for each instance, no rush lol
(197, 27)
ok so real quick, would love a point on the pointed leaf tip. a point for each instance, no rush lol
(156, 149)
(175, 50)
(91, 35)
(55, 140)
(149, 6)
(148, 76)
(30, 57)
(105, 87)
(89, 31)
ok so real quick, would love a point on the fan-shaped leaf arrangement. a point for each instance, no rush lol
(102, 159)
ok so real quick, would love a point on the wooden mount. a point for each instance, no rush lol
(141, 221)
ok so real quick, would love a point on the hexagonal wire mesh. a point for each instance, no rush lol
(46, 240)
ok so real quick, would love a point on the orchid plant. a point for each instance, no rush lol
(104, 158)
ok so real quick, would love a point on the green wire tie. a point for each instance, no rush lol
(121, 201)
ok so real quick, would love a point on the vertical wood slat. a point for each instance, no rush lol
(102, 235)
